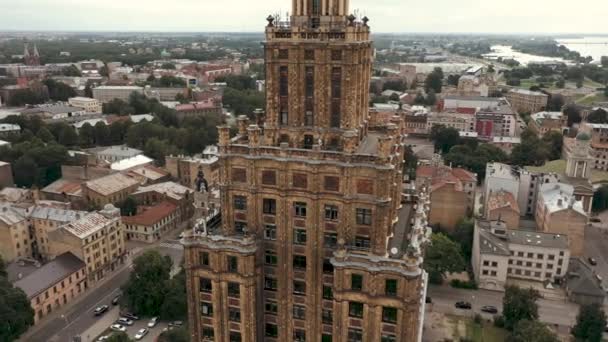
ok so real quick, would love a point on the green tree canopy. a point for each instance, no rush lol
(444, 137)
(554, 141)
(168, 66)
(590, 324)
(175, 305)
(600, 199)
(443, 255)
(16, 314)
(128, 207)
(434, 81)
(45, 135)
(59, 91)
(531, 151)
(573, 112)
(532, 331)
(556, 102)
(598, 116)
(71, 71)
(119, 337)
(519, 305)
(175, 335)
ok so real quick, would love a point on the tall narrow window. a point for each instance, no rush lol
(309, 84)
(283, 94)
(336, 94)
(316, 7)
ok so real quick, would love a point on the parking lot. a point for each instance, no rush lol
(112, 316)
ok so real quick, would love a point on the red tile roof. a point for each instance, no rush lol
(151, 215)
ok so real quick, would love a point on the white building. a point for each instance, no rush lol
(108, 93)
(461, 122)
(113, 154)
(500, 254)
(91, 106)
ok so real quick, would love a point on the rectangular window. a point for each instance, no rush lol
(205, 285)
(299, 287)
(269, 177)
(328, 268)
(235, 336)
(364, 216)
(299, 236)
(355, 335)
(270, 258)
(240, 203)
(270, 232)
(336, 55)
(299, 180)
(283, 54)
(270, 284)
(327, 316)
(362, 242)
(208, 333)
(206, 309)
(203, 259)
(299, 335)
(271, 330)
(331, 212)
(283, 95)
(300, 209)
(330, 239)
(234, 314)
(331, 183)
(355, 309)
(233, 264)
(390, 287)
(356, 282)
(309, 88)
(299, 312)
(269, 206)
(389, 315)
(234, 290)
(239, 175)
(299, 262)
(309, 55)
(326, 338)
(328, 292)
(271, 307)
(336, 95)
(240, 227)
(388, 338)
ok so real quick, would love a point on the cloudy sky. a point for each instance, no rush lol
(517, 16)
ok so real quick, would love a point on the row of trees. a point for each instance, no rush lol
(16, 314)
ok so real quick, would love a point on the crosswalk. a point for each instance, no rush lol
(171, 245)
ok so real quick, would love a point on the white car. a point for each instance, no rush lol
(141, 333)
(118, 327)
(153, 322)
(103, 338)
(124, 321)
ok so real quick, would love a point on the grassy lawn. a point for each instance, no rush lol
(598, 97)
(485, 332)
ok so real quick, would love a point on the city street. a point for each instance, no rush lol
(78, 318)
(596, 246)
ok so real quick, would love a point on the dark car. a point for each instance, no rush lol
(429, 300)
(595, 220)
(592, 261)
(176, 324)
(116, 300)
(463, 305)
(100, 310)
(129, 315)
(489, 309)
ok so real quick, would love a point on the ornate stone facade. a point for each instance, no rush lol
(317, 241)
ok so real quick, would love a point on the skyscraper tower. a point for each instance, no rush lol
(317, 242)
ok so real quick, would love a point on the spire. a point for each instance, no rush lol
(36, 54)
(26, 52)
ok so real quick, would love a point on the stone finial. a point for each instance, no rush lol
(365, 20)
(351, 20)
(254, 133)
(224, 135)
(242, 122)
(350, 141)
(270, 20)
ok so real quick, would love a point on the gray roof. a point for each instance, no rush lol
(119, 151)
(547, 240)
(472, 98)
(54, 214)
(53, 110)
(50, 274)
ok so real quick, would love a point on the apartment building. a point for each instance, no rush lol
(91, 106)
(263, 274)
(502, 206)
(500, 254)
(98, 239)
(111, 189)
(176, 194)
(54, 285)
(542, 123)
(191, 171)
(463, 122)
(151, 223)
(526, 101)
(112, 154)
(106, 94)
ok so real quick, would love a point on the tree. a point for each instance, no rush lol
(238, 82)
(431, 98)
(555, 104)
(598, 116)
(86, 135)
(147, 285)
(15, 310)
(102, 134)
(518, 305)
(419, 100)
(175, 335)
(474, 157)
(88, 91)
(45, 135)
(463, 235)
(554, 142)
(25, 171)
(573, 112)
(71, 71)
(168, 66)
(181, 98)
(561, 83)
(119, 337)
(175, 305)
(2, 268)
(443, 255)
(68, 136)
(532, 331)
(59, 91)
(444, 137)
(128, 207)
(604, 61)
(24, 97)
(117, 106)
(600, 199)
(434, 81)
(590, 323)
(531, 150)
(453, 80)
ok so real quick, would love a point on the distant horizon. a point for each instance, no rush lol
(542, 17)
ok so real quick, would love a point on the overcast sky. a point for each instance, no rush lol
(510, 16)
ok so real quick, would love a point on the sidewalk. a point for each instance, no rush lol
(101, 325)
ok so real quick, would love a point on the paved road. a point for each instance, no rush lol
(552, 312)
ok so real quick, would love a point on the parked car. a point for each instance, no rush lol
(595, 220)
(103, 338)
(100, 310)
(115, 300)
(130, 316)
(118, 327)
(429, 300)
(124, 321)
(463, 305)
(176, 324)
(153, 322)
(489, 309)
(141, 333)
(592, 261)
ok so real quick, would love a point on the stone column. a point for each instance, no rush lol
(242, 122)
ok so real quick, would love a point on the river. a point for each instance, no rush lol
(507, 52)
(596, 47)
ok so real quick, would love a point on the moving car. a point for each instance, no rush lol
(489, 309)
(124, 321)
(118, 327)
(100, 310)
(592, 261)
(463, 305)
(153, 322)
(141, 333)
(116, 300)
